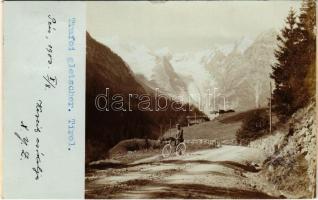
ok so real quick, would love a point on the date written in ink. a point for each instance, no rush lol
(50, 80)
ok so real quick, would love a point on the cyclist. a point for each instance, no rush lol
(176, 144)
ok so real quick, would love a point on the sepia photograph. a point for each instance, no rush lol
(200, 100)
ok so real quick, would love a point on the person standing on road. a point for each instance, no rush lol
(179, 135)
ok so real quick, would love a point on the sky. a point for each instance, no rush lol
(185, 26)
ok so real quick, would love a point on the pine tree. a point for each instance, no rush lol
(295, 70)
(306, 59)
(284, 68)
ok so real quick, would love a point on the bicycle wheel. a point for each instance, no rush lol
(166, 151)
(181, 149)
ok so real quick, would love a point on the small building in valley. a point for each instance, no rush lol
(196, 119)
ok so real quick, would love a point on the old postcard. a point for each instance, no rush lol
(160, 99)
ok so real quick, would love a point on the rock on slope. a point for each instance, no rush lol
(291, 151)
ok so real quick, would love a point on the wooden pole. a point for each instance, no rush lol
(270, 108)
(170, 129)
(214, 99)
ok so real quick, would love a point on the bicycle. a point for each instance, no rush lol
(180, 149)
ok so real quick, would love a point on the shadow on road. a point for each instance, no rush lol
(162, 190)
(229, 164)
(204, 191)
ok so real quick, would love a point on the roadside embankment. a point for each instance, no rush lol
(291, 155)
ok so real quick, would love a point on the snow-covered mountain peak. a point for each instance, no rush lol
(239, 70)
(164, 52)
(242, 44)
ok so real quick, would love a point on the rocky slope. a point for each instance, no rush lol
(291, 155)
(243, 77)
(104, 69)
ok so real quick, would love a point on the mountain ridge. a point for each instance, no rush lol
(109, 75)
(240, 71)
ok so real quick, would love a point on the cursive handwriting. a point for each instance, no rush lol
(24, 141)
(38, 110)
(49, 50)
(50, 81)
(37, 169)
(51, 22)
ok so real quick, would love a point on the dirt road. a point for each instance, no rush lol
(226, 172)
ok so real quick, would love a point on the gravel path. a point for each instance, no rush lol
(226, 172)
